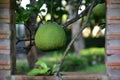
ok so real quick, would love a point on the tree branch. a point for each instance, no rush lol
(79, 16)
(19, 40)
(57, 74)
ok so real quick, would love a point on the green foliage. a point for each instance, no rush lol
(22, 15)
(41, 64)
(94, 55)
(50, 36)
(90, 60)
(22, 66)
(98, 14)
(88, 57)
(34, 72)
(74, 63)
(56, 8)
(94, 68)
(99, 11)
(39, 4)
(53, 7)
(42, 69)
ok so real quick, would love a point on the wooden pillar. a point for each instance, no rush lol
(13, 36)
(7, 28)
(113, 39)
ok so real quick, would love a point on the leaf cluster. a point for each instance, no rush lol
(22, 14)
(41, 68)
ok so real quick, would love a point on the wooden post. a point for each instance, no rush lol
(7, 28)
(13, 36)
(113, 39)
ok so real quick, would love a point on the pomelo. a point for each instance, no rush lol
(50, 36)
(99, 11)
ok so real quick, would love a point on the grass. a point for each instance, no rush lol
(23, 68)
(95, 68)
(55, 57)
(51, 57)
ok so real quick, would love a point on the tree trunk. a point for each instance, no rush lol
(32, 57)
(79, 42)
(31, 54)
(31, 25)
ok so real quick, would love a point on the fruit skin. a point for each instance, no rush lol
(99, 11)
(50, 36)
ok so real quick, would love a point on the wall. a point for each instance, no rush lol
(6, 30)
(113, 39)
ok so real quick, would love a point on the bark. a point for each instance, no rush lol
(79, 42)
(31, 25)
(13, 37)
(31, 54)
(32, 57)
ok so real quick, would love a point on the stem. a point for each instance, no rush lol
(70, 44)
(30, 45)
(30, 31)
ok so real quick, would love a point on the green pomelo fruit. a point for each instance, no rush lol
(99, 11)
(50, 36)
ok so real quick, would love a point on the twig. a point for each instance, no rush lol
(77, 17)
(57, 74)
(19, 40)
(30, 31)
(30, 45)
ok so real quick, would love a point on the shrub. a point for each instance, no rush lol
(94, 55)
(74, 63)
(87, 58)
(22, 67)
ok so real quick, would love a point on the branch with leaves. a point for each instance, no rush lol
(83, 13)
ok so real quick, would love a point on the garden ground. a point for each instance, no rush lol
(91, 60)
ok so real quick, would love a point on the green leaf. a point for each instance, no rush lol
(32, 8)
(44, 71)
(21, 9)
(40, 3)
(41, 64)
(25, 16)
(54, 68)
(34, 72)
